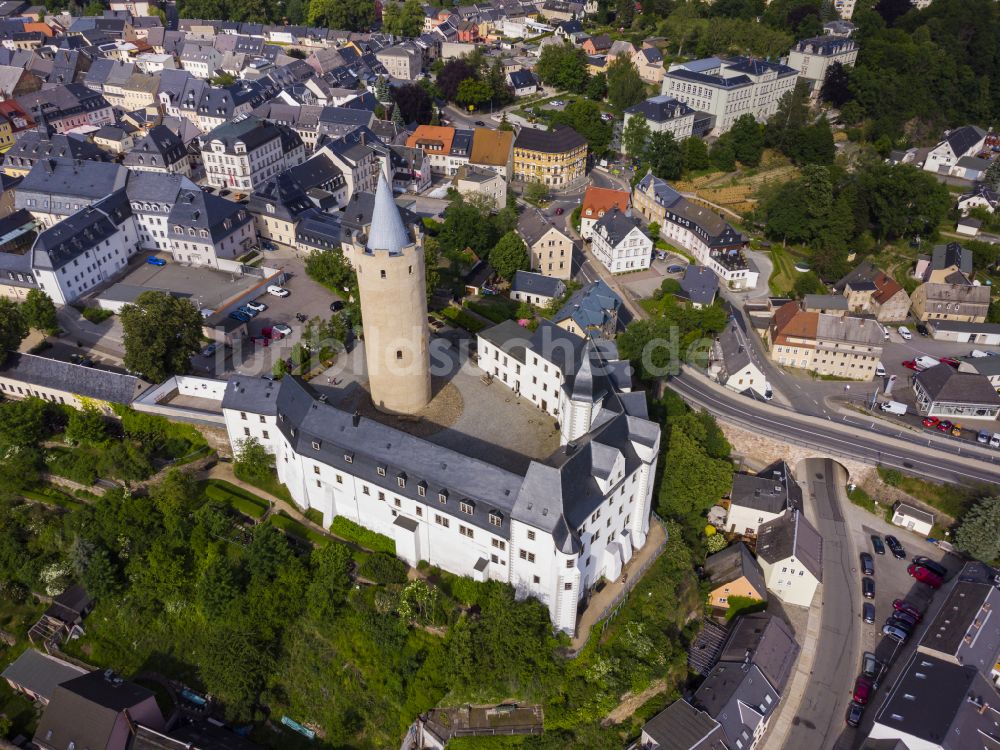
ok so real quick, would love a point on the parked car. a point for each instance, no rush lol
(240, 316)
(906, 617)
(945, 425)
(247, 310)
(154, 261)
(922, 329)
(995, 440)
(956, 430)
(904, 332)
(336, 306)
(901, 605)
(950, 361)
(983, 437)
(675, 269)
(925, 363)
(895, 547)
(868, 588)
(255, 305)
(854, 713)
(868, 612)
(899, 622)
(910, 364)
(559, 211)
(879, 370)
(282, 329)
(480, 123)
(931, 565)
(277, 291)
(862, 689)
(930, 422)
(978, 353)
(895, 633)
(877, 544)
(867, 564)
(209, 350)
(925, 575)
(871, 667)
(768, 391)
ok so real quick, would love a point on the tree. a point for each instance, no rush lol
(808, 283)
(253, 461)
(635, 135)
(160, 334)
(502, 93)
(624, 13)
(505, 123)
(295, 11)
(452, 75)
(814, 144)
(415, 103)
(836, 87)
(695, 153)
(664, 156)
(509, 255)
(687, 456)
(473, 92)
(722, 155)
(222, 79)
(748, 140)
(94, 8)
(977, 533)
(535, 192)
(13, 327)
(584, 116)
(597, 87)
(331, 581)
(86, 426)
(625, 87)
(39, 311)
(403, 20)
(992, 176)
(352, 15)
(563, 66)
(901, 200)
(788, 120)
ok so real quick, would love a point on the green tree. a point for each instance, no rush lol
(452, 75)
(473, 92)
(814, 144)
(403, 20)
(808, 283)
(94, 8)
(635, 136)
(509, 255)
(789, 119)
(686, 456)
(160, 334)
(13, 327)
(331, 581)
(722, 156)
(664, 156)
(535, 192)
(415, 103)
(505, 123)
(992, 176)
(584, 116)
(253, 461)
(295, 11)
(836, 85)
(597, 87)
(901, 200)
(625, 87)
(222, 78)
(695, 154)
(86, 426)
(977, 533)
(748, 140)
(352, 15)
(563, 66)
(39, 311)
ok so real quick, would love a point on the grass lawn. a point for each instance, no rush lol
(784, 274)
(235, 497)
(270, 485)
(950, 499)
(497, 309)
(293, 528)
(462, 319)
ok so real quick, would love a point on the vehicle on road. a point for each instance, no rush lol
(868, 612)
(983, 437)
(871, 667)
(255, 305)
(607, 116)
(209, 350)
(879, 370)
(901, 605)
(977, 353)
(910, 364)
(282, 329)
(995, 440)
(895, 547)
(154, 261)
(854, 713)
(867, 588)
(867, 564)
(956, 430)
(877, 544)
(675, 269)
(945, 425)
(922, 329)
(893, 407)
(904, 333)
(277, 291)
(950, 361)
(336, 306)
(862, 689)
(931, 565)
(925, 575)
(768, 391)
(925, 363)
(895, 633)
(480, 123)
(559, 211)
(930, 421)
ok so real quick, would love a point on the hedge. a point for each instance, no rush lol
(461, 318)
(51, 496)
(294, 528)
(352, 532)
(498, 313)
(315, 515)
(235, 498)
(383, 568)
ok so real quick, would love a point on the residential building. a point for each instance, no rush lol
(967, 140)
(725, 89)
(242, 155)
(648, 62)
(402, 61)
(535, 288)
(664, 114)
(698, 286)
(968, 227)
(436, 141)
(981, 196)
(681, 726)
(832, 304)
(870, 290)
(32, 146)
(592, 310)
(68, 106)
(965, 333)
(790, 553)
(598, 201)
(734, 572)
(200, 60)
(957, 302)
(914, 519)
(946, 264)
(813, 58)
(620, 244)
(550, 248)
(493, 150)
(523, 82)
(160, 150)
(763, 497)
(18, 231)
(731, 363)
(597, 45)
(98, 710)
(486, 183)
(37, 674)
(554, 158)
(942, 391)
(713, 242)
(839, 345)
(356, 157)
(278, 204)
(204, 228)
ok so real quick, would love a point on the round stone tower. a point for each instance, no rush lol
(390, 266)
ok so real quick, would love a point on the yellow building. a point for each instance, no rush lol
(734, 573)
(555, 158)
(6, 134)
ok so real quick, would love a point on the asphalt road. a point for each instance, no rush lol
(921, 456)
(819, 719)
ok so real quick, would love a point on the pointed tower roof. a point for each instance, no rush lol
(586, 385)
(387, 231)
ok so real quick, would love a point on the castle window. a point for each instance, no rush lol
(422, 489)
(496, 519)
(399, 354)
(349, 458)
(465, 531)
(443, 496)
(382, 273)
(466, 507)
(401, 480)
(531, 536)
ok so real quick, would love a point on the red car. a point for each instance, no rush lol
(950, 361)
(901, 605)
(271, 333)
(559, 212)
(930, 421)
(945, 425)
(911, 364)
(924, 575)
(862, 690)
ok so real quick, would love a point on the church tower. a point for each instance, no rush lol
(390, 265)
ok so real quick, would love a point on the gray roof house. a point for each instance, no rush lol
(29, 371)
(699, 285)
(36, 674)
(790, 552)
(731, 362)
(942, 391)
(591, 309)
(530, 286)
(61, 186)
(733, 563)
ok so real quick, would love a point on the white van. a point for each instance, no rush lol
(893, 407)
(978, 353)
(879, 370)
(904, 332)
(995, 440)
(925, 362)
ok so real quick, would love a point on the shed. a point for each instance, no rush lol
(916, 520)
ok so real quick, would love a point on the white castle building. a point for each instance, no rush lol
(552, 531)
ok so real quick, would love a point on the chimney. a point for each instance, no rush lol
(356, 418)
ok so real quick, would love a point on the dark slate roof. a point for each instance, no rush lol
(319, 229)
(549, 141)
(681, 726)
(80, 232)
(964, 138)
(952, 254)
(40, 673)
(34, 145)
(196, 208)
(944, 383)
(83, 381)
(733, 563)
(615, 226)
(824, 302)
(536, 283)
(591, 306)
(791, 535)
(768, 641)
(161, 147)
(251, 131)
(963, 628)
(699, 284)
(66, 177)
(660, 109)
(520, 79)
(532, 224)
(773, 489)
(825, 45)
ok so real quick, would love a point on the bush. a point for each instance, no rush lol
(96, 314)
(892, 477)
(293, 528)
(744, 605)
(315, 515)
(51, 496)
(861, 498)
(462, 319)
(345, 528)
(233, 497)
(498, 312)
(383, 568)
(77, 465)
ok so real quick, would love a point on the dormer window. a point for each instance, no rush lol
(466, 507)
(381, 471)
(401, 480)
(349, 458)
(315, 444)
(422, 489)
(495, 518)
(443, 497)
